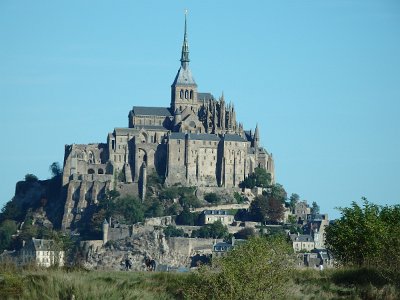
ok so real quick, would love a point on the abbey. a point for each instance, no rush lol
(196, 141)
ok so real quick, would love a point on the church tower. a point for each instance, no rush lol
(184, 87)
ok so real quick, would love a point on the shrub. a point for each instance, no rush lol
(172, 231)
(212, 198)
(257, 269)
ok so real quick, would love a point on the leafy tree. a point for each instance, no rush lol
(12, 211)
(215, 230)
(315, 208)
(239, 198)
(245, 233)
(259, 178)
(275, 210)
(186, 217)
(293, 200)
(154, 208)
(31, 178)
(55, 169)
(266, 208)
(366, 235)
(212, 198)
(277, 191)
(131, 208)
(172, 231)
(257, 269)
(258, 209)
(189, 200)
(7, 229)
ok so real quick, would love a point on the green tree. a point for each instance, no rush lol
(7, 229)
(366, 235)
(257, 269)
(245, 233)
(55, 169)
(258, 209)
(129, 209)
(315, 208)
(186, 217)
(172, 231)
(277, 191)
(293, 200)
(259, 178)
(215, 230)
(212, 198)
(31, 178)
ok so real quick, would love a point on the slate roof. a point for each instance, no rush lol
(234, 138)
(177, 135)
(205, 96)
(151, 127)
(222, 247)
(216, 212)
(203, 137)
(184, 77)
(124, 131)
(301, 238)
(151, 111)
(248, 135)
(43, 245)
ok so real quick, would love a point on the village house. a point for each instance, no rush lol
(302, 242)
(43, 253)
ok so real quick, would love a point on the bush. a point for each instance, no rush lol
(212, 198)
(187, 218)
(257, 269)
(215, 231)
(172, 231)
(31, 178)
(245, 233)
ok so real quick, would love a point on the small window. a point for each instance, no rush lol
(186, 94)
(181, 94)
(191, 94)
(90, 171)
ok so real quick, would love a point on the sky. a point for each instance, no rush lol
(321, 78)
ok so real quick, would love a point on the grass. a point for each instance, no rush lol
(33, 283)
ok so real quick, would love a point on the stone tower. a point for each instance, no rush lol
(105, 231)
(184, 87)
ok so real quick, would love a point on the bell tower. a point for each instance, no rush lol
(184, 87)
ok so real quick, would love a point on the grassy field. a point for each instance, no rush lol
(79, 284)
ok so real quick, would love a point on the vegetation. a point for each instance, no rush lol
(314, 208)
(257, 269)
(187, 218)
(367, 236)
(212, 198)
(245, 233)
(259, 178)
(266, 208)
(172, 231)
(215, 230)
(293, 200)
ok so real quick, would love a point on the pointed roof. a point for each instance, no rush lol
(184, 76)
(256, 133)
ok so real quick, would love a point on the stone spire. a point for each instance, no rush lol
(256, 137)
(185, 48)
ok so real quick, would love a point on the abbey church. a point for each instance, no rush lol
(196, 141)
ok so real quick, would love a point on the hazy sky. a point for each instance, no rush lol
(321, 78)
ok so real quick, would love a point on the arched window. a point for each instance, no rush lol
(90, 171)
(186, 94)
(191, 94)
(100, 171)
(181, 94)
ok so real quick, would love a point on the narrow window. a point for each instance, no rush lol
(191, 94)
(181, 94)
(186, 94)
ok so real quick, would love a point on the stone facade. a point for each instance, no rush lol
(196, 141)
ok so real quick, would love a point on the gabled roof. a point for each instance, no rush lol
(177, 135)
(203, 137)
(151, 111)
(43, 245)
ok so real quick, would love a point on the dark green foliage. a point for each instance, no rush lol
(266, 208)
(7, 229)
(258, 209)
(31, 178)
(315, 208)
(212, 198)
(153, 208)
(367, 235)
(293, 200)
(55, 169)
(277, 191)
(245, 233)
(130, 209)
(187, 218)
(172, 231)
(239, 198)
(12, 211)
(215, 230)
(260, 178)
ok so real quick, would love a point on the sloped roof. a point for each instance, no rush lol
(234, 138)
(151, 111)
(203, 137)
(205, 96)
(184, 77)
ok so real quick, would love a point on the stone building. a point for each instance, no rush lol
(196, 141)
(211, 216)
(43, 253)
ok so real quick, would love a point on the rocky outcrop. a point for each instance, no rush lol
(148, 242)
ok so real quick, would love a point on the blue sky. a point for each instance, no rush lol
(321, 78)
